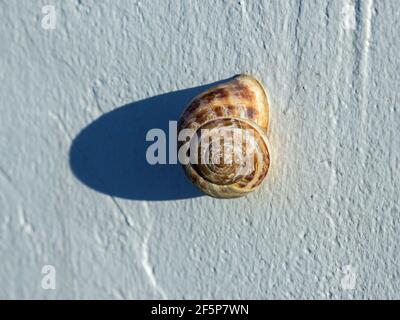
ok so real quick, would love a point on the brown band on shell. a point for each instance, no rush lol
(219, 93)
(244, 92)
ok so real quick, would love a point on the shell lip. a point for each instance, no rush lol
(264, 91)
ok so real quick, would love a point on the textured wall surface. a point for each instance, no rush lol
(76, 193)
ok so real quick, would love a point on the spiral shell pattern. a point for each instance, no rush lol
(229, 143)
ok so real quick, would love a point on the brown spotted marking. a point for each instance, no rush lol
(219, 111)
(252, 113)
(201, 115)
(219, 93)
(244, 92)
(193, 106)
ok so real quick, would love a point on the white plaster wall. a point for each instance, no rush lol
(75, 192)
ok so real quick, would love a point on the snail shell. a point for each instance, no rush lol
(237, 106)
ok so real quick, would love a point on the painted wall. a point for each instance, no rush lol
(78, 95)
